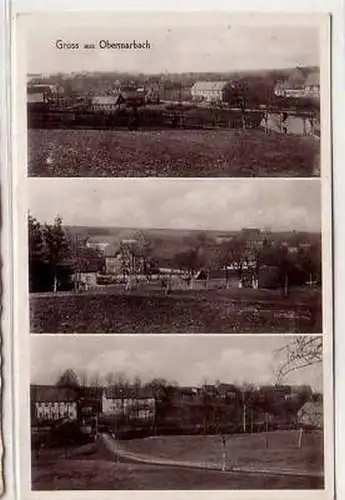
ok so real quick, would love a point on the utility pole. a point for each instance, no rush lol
(244, 417)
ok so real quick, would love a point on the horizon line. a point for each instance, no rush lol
(276, 68)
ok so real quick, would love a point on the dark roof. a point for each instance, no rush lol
(227, 387)
(52, 393)
(91, 392)
(128, 392)
(188, 391)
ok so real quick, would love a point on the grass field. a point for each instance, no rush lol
(170, 153)
(184, 312)
(88, 469)
(242, 450)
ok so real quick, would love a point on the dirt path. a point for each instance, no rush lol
(123, 455)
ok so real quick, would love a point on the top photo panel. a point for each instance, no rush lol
(172, 95)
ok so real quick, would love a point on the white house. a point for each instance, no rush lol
(107, 103)
(51, 403)
(210, 91)
(136, 403)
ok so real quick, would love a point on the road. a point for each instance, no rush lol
(113, 447)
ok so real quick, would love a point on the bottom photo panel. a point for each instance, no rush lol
(176, 412)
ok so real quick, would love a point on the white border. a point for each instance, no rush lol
(21, 325)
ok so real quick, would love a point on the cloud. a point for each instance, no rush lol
(181, 204)
(186, 359)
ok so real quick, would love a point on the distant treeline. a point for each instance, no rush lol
(255, 87)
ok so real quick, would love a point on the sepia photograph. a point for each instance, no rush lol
(188, 96)
(189, 256)
(176, 413)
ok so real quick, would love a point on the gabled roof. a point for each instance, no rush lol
(105, 100)
(103, 239)
(91, 392)
(33, 88)
(209, 86)
(227, 387)
(128, 393)
(52, 394)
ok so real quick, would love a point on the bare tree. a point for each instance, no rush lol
(296, 354)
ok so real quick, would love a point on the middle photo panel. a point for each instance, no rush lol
(174, 256)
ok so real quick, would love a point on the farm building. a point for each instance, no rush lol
(47, 90)
(211, 91)
(136, 403)
(51, 403)
(85, 280)
(301, 83)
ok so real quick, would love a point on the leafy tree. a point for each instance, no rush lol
(190, 261)
(57, 247)
(68, 379)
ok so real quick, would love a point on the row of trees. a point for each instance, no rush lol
(293, 267)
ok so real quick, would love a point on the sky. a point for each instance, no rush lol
(175, 47)
(189, 360)
(227, 204)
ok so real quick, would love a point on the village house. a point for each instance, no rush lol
(300, 83)
(123, 257)
(135, 403)
(209, 91)
(51, 403)
(186, 394)
(48, 91)
(105, 104)
(227, 391)
(113, 259)
(86, 279)
(99, 243)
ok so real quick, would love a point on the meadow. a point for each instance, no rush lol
(223, 311)
(170, 153)
(277, 450)
(90, 467)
